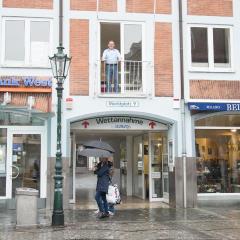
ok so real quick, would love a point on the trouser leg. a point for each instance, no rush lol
(99, 201)
(105, 203)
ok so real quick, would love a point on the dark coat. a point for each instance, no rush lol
(103, 178)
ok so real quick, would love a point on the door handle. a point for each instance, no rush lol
(16, 167)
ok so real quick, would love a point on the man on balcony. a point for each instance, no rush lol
(111, 58)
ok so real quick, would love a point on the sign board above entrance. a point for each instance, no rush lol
(202, 106)
(25, 84)
(118, 123)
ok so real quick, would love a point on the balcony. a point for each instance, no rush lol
(125, 77)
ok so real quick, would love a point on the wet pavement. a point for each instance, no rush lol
(130, 224)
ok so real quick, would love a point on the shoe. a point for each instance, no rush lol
(103, 215)
(111, 213)
(96, 212)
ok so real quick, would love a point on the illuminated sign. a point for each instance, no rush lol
(26, 82)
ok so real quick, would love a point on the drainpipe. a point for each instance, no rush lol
(183, 122)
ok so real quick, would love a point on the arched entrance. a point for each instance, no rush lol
(141, 160)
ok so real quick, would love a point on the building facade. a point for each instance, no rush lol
(170, 112)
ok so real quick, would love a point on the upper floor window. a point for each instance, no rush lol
(26, 42)
(121, 68)
(211, 48)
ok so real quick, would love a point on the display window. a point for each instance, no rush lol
(218, 155)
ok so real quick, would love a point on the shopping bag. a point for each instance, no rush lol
(113, 196)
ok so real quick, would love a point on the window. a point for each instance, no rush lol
(15, 50)
(32, 47)
(121, 71)
(218, 163)
(217, 152)
(210, 47)
(199, 46)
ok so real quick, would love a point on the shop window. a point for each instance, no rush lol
(32, 47)
(210, 47)
(124, 73)
(228, 120)
(218, 161)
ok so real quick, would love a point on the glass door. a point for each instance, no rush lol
(3, 163)
(27, 156)
(26, 161)
(138, 168)
(158, 166)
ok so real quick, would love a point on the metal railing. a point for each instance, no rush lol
(122, 77)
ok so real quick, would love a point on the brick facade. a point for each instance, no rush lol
(79, 50)
(91, 5)
(83, 5)
(214, 89)
(147, 6)
(108, 5)
(164, 6)
(210, 7)
(39, 4)
(163, 60)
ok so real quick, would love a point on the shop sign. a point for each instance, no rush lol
(25, 82)
(200, 106)
(118, 123)
(122, 104)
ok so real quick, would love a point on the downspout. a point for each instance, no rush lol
(183, 122)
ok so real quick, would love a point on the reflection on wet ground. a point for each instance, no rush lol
(152, 223)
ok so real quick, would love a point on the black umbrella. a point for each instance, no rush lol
(95, 152)
(100, 145)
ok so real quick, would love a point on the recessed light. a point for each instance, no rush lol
(233, 130)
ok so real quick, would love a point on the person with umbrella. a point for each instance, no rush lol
(103, 171)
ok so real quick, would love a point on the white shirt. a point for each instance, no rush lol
(111, 56)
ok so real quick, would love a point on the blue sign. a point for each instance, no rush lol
(204, 106)
(25, 82)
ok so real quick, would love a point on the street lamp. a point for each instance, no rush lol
(60, 63)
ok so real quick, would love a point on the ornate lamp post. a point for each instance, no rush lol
(60, 63)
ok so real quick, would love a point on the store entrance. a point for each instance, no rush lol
(140, 166)
(22, 161)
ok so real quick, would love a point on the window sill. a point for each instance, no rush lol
(24, 66)
(208, 70)
(122, 95)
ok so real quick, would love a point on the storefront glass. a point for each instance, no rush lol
(10, 118)
(218, 160)
(26, 158)
(3, 161)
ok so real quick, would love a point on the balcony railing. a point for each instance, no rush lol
(123, 77)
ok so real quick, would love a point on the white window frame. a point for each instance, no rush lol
(211, 65)
(27, 60)
(144, 62)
